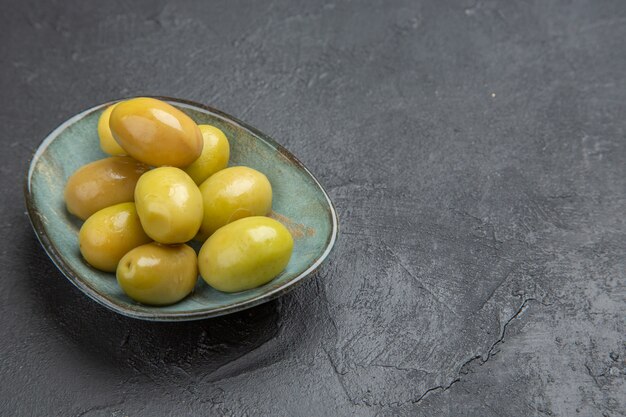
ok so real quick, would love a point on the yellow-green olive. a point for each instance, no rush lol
(109, 234)
(231, 194)
(214, 157)
(155, 132)
(107, 142)
(169, 205)
(245, 254)
(102, 184)
(158, 275)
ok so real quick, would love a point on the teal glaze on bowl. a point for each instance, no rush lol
(299, 202)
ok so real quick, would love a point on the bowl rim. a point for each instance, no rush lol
(75, 278)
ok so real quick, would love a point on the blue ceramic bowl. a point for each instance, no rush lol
(300, 203)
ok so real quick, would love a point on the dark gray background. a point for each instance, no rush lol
(476, 154)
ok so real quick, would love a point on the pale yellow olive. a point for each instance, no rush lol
(245, 254)
(109, 234)
(169, 205)
(102, 184)
(107, 142)
(155, 132)
(231, 194)
(158, 275)
(215, 154)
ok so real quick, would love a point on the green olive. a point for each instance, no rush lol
(169, 205)
(214, 157)
(109, 234)
(107, 142)
(158, 275)
(102, 184)
(155, 132)
(245, 254)
(231, 194)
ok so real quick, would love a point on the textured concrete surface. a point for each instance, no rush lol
(476, 153)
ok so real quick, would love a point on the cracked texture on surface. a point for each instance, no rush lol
(476, 154)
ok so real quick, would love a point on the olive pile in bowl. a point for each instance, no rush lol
(167, 182)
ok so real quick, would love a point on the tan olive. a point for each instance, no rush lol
(155, 132)
(102, 184)
(169, 205)
(109, 234)
(231, 194)
(107, 142)
(245, 254)
(215, 154)
(158, 275)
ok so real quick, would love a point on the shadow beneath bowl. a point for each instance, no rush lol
(159, 351)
